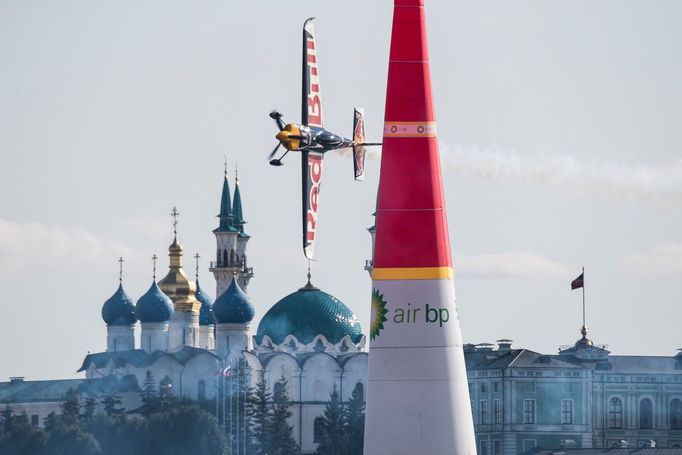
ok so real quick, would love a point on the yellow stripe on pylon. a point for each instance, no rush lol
(413, 273)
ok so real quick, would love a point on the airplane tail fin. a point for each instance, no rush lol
(359, 150)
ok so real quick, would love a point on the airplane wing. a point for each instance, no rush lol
(311, 167)
(311, 103)
(359, 149)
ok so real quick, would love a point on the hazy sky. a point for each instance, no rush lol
(560, 136)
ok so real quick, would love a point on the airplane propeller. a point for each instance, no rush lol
(274, 151)
(277, 117)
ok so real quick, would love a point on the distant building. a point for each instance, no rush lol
(582, 397)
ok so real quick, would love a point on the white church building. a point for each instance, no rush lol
(179, 334)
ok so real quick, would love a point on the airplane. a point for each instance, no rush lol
(311, 139)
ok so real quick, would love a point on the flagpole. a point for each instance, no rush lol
(584, 326)
(222, 375)
(217, 394)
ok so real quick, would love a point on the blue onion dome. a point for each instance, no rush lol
(307, 313)
(154, 306)
(205, 313)
(233, 306)
(119, 309)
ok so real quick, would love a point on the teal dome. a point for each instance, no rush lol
(233, 306)
(119, 309)
(307, 313)
(154, 306)
(205, 313)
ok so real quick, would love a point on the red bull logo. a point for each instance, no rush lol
(314, 95)
(314, 177)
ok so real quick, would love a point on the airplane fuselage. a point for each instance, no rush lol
(295, 137)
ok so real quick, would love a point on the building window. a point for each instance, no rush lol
(615, 413)
(483, 412)
(530, 387)
(497, 409)
(529, 411)
(676, 414)
(646, 414)
(359, 389)
(566, 412)
(278, 392)
(473, 410)
(484, 387)
(35, 420)
(201, 393)
(497, 447)
(529, 444)
(567, 387)
(483, 445)
(496, 388)
(318, 429)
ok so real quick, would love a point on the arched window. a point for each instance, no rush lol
(225, 263)
(278, 391)
(676, 414)
(201, 394)
(217, 258)
(615, 413)
(646, 414)
(359, 390)
(318, 429)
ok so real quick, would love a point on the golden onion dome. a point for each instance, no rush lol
(176, 285)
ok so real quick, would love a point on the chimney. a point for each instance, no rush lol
(504, 345)
(16, 380)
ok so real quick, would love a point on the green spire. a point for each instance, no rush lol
(237, 203)
(226, 218)
(237, 212)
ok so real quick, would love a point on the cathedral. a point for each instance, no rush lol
(190, 343)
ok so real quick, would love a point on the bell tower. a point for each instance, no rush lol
(231, 241)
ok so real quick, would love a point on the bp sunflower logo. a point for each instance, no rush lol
(378, 314)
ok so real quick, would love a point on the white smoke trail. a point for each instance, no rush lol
(657, 183)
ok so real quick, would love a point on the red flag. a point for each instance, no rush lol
(578, 282)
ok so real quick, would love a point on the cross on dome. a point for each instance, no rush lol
(120, 270)
(154, 258)
(175, 214)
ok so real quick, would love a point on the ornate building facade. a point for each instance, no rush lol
(582, 397)
(309, 338)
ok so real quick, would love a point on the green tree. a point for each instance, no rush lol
(89, 407)
(282, 434)
(149, 387)
(260, 416)
(185, 429)
(71, 407)
(18, 437)
(333, 440)
(111, 406)
(70, 439)
(354, 422)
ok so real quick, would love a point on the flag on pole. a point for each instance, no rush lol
(578, 282)
(224, 372)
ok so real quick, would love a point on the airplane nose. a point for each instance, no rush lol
(282, 136)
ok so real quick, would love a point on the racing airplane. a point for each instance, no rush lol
(313, 140)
